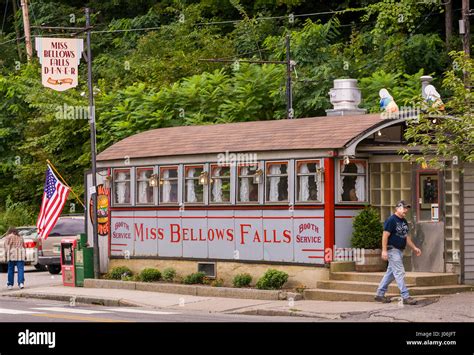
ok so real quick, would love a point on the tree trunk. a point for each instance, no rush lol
(448, 21)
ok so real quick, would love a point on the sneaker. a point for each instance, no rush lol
(410, 301)
(21, 286)
(382, 299)
(10, 287)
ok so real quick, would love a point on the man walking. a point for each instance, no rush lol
(16, 255)
(394, 240)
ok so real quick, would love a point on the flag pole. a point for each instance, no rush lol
(65, 183)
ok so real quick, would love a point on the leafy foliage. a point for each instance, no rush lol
(150, 275)
(242, 280)
(272, 280)
(367, 229)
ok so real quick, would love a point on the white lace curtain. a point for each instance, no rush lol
(217, 187)
(121, 188)
(143, 187)
(244, 186)
(360, 182)
(191, 193)
(166, 187)
(304, 183)
(274, 181)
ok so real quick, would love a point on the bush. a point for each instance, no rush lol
(196, 278)
(169, 274)
(242, 280)
(119, 272)
(150, 275)
(367, 229)
(272, 280)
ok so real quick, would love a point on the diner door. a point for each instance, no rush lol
(429, 226)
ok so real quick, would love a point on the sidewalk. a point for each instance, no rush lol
(458, 307)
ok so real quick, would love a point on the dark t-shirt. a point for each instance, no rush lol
(398, 228)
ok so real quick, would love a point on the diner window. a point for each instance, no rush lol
(220, 184)
(308, 181)
(277, 182)
(352, 181)
(122, 186)
(195, 180)
(144, 191)
(247, 186)
(168, 184)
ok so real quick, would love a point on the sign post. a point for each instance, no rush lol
(59, 58)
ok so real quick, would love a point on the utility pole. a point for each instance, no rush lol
(466, 40)
(26, 25)
(17, 30)
(289, 93)
(448, 22)
(93, 191)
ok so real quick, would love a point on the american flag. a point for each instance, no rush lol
(54, 198)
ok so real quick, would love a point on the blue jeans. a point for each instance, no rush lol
(395, 271)
(20, 264)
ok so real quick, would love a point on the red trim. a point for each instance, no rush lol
(315, 257)
(312, 249)
(119, 244)
(216, 207)
(226, 217)
(345, 216)
(329, 220)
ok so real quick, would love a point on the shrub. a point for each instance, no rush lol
(119, 272)
(169, 274)
(150, 275)
(272, 280)
(196, 278)
(242, 280)
(367, 229)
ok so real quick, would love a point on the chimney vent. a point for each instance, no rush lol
(345, 97)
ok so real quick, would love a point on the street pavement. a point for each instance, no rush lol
(178, 307)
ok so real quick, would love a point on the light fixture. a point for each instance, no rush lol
(434, 120)
(379, 133)
(346, 160)
(258, 176)
(204, 178)
(107, 181)
(153, 180)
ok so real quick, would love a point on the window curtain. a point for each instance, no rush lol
(121, 188)
(304, 183)
(274, 180)
(244, 186)
(360, 182)
(341, 182)
(217, 187)
(191, 193)
(142, 188)
(166, 186)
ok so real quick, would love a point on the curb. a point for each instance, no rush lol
(280, 313)
(98, 301)
(194, 290)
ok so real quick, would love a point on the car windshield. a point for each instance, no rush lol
(68, 226)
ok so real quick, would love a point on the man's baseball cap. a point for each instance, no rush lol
(403, 204)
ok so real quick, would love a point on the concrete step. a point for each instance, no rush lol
(356, 286)
(414, 278)
(393, 288)
(353, 296)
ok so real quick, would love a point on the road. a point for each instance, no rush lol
(36, 310)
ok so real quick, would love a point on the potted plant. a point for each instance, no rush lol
(367, 239)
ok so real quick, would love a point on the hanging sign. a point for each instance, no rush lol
(59, 58)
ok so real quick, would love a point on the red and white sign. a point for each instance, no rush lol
(59, 58)
(239, 235)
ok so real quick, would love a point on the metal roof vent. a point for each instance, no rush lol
(345, 97)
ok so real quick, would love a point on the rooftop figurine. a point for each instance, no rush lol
(387, 103)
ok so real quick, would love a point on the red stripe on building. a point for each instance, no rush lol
(329, 220)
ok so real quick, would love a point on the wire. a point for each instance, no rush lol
(11, 40)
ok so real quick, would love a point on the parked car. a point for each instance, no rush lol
(50, 251)
(31, 244)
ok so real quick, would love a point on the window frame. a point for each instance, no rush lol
(131, 186)
(205, 190)
(320, 183)
(266, 175)
(137, 180)
(231, 182)
(259, 186)
(160, 179)
(338, 186)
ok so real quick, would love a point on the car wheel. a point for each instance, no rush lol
(40, 267)
(54, 269)
(3, 267)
